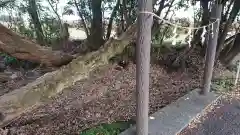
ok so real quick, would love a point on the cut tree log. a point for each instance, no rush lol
(15, 103)
(21, 48)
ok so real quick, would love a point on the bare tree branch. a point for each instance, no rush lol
(109, 29)
(55, 11)
(82, 18)
(161, 7)
(224, 18)
(232, 17)
(5, 3)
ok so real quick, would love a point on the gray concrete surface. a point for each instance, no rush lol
(223, 120)
(171, 119)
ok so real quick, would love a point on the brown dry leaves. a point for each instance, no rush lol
(109, 95)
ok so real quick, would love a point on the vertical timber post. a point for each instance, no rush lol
(237, 75)
(211, 49)
(143, 65)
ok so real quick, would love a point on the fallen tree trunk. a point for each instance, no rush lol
(15, 103)
(21, 48)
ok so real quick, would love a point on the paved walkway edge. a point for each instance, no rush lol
(173, 118)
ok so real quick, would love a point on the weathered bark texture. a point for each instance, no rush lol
(16, 46)
(156, 26)
(96, 31)
(33, 12)
(211, 50)
(143, 66)
(30, 96)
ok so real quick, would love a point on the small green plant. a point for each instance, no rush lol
(108, 129)
(9, 59)
(224, 84)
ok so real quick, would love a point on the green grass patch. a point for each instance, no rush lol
(223, 84)
(108, 129)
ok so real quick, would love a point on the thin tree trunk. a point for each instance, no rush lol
(96, 35)
(169, 9)
(32, 11)
(224, 18)
(204, 21)
(62, 33)
(122, 17)
(161, 7)
(156, 26)
(222, 37)
(180, 60)
(126, 17)
(82, 18)
(113, 15)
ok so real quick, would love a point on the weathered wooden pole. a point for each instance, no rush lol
(237, 74)
(143, 65)
(211, 49)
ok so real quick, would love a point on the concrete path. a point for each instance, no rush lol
(222, 118)
(173, 118)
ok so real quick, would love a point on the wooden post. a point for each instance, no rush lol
(211, 49)
(237, 75)
(143, 65)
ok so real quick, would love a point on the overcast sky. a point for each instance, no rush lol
(180, 13)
